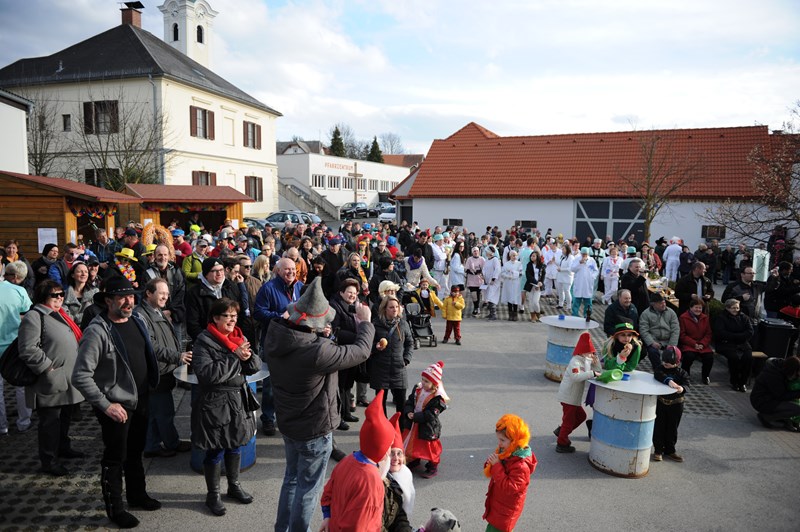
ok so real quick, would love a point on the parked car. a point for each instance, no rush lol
(389, 215)
(260, 223)
(382, 206)
(355, 209)
(278, 219)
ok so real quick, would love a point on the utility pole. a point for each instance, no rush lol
(355, 175)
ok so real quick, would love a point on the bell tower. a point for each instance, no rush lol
(188, 27)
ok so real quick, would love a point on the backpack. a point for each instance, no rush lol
(13, 369)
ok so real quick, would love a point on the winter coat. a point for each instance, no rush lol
(102, 373)
(686, 286)
(616, 313)
(343, 325)
(585, 274)
(637, 284)
(273, 298)
(192, 268)
(387, 368)
(474, 271)
(74, 306)
(451, 310)
(429, 426)
(771, 387)
(661, 327)
(394, 516)
(534, 276)
(737, 290)
(508, 487)
(165, 344)
(219, 420)
(778, 292)
(730, 330)
(428, 305)
(414, 276)
(511, 273)
(199, 299)
(695, 330)
(53, 361)
(665, 375)
(177, 289)
(573, 382)
(303, 369)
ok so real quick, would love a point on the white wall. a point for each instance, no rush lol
(13, 139)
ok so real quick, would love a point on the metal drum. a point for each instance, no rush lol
(562, 336)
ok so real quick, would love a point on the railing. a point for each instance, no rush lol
(308, 199)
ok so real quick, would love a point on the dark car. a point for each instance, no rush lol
(382, 206)
(354, 209)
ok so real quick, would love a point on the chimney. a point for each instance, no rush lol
(131, 14)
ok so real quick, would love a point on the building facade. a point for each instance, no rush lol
(14, 112)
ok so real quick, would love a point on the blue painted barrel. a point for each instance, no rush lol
(562, 335)
(248, 451)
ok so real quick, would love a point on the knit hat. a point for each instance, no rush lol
(131, 232)
(385, 262)
(387, 285)
(671, 355)
(209, 263)
(391, 240)
(377, 434)
(126, 253)
(584, 345)
(442, 521)
(656, 297)
(624, 326)
(312, 308)
(434, 373)
(397, 443)
(48, 248)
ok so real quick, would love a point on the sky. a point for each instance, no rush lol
(423, 69)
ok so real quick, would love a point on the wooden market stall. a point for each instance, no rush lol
(162, 204)
(56, 209)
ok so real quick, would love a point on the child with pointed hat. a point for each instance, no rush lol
(510, 468)
(398, 502)
(353, 496)
(421, 426)
(583, 366)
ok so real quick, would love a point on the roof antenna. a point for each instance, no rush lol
(60, 67)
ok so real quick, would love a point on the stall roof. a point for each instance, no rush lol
(187, 194)
(70, 188)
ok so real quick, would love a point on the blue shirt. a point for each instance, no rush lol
(14, 301)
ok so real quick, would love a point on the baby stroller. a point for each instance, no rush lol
(420, 322)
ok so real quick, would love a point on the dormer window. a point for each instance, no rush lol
(200, 34)
(175, 33)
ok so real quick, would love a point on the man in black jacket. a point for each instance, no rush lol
(634, 281)
(696, 283)
(771, 395)
(620, 311)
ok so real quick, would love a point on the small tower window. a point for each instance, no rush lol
(200, 34)
(175, 32)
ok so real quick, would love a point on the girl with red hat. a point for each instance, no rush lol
(583, 366)
(420, 421)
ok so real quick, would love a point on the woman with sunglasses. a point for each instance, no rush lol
(48, 344)
(221, 360)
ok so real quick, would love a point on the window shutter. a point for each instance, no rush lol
(210, 134)
(193, 121)
(258, 137)
(212, 177)
(88, 117)
(247, 187)
(260, 185)
(113, 109)
(245, 137)
(195, 178)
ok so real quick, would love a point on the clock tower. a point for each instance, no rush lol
(188, 28)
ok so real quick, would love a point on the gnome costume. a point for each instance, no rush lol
(581, 368)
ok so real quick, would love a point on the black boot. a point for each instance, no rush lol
(235, 491)
(136, 489)
(589, 427)
(213, 501)
(510, 311)
(111, 487)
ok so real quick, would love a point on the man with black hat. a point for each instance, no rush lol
(131, 241)
(659, 327)
(303, 369)
(114, 369)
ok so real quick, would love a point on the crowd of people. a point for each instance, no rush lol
(108, 323)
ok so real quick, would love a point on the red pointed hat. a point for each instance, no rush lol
(398, 437)
(377, 433)
(584, 345)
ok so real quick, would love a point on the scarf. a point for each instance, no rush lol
(72, 325)
(413, 263)
(126, 269)
(231, 341)
(217, 290)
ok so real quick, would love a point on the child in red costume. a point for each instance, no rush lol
(420, 420)
(509, 469)
(352, 500)
(583, 366)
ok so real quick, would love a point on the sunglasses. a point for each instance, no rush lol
(56, 295)
(246, 266)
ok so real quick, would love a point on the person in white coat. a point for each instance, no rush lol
(609, 272)
(672, 258)
(491, 276)
(457, 271)
(550, 252)
(440, 263)
(585, 270)
(564, 276)
(511, 272)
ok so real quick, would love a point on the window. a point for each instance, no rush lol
(175, 33)
(347, 183)
(373, 184)
(712, 232)
(333, 181)
(252, 135)
(254, 187)
(100, 177)
(200, 34)
(385, 186)
(527, 225)
(318, 181)
(362, 183)
(101, 118)
(204, 178)
(67, 121)
(201, 123)
(452, 221)
(617, 218)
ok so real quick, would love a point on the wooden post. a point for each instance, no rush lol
(355, 175)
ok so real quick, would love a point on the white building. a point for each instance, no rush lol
(116, 86)
(14, 112)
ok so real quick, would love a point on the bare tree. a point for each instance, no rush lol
(663, 173)
(354, 148)
(45, 141)
(391, 144)
(776, 190)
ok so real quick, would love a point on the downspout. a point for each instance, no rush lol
(160, 157)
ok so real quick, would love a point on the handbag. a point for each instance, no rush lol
(249, 401)
(13, 369)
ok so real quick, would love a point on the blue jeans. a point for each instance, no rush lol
(267, 403)
(161, 423)
(306, 463)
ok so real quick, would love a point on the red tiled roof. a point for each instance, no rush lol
(187, 194)
(474, 162)
(70, 188)
(404, 160)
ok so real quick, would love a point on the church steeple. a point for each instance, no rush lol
(188, 28)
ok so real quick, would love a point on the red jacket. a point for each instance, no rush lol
(507, 490)
(695, 332)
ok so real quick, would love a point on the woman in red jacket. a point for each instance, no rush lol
(695, 339)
